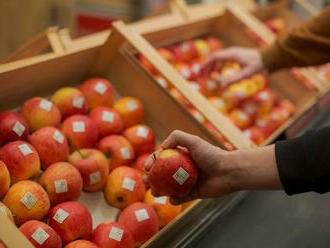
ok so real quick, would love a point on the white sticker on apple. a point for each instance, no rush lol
(125, 154)
(141, 214)
(94, 177)
(78, 126)
(131, 105)
(116, 233)
(78, 102)
(18, 128)
(58, 137)
(100, 88)
(61, 186)
(25, 149)
(181, 176)
(29, 200)
(60, 215)
(46, 105)
(142, 132)
(40, 236)
(128, 184)
(108, 116)
(161, 200)
(211, 85)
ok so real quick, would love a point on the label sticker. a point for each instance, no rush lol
(141, 214)
(108, 116)
(18, 128)
(3, 210)
(241, 93)
(181, 176)
(185, 73)
(219, 103)
(128, 184)
(100, 88)
(242, 116)
(125, 154)
(40, 236)
(184, 47)
(196, 68)
(263, 96)
(25, 149)
(162, 82)
(78, 102)
(45, 105)
(131, 106)
(60, 215)
(161, 200)
(195, 86)
(58, 137)
(211, 85)
(94, 177)
(247, 133)
(78, 126)
(142, 132)
(29, 200)
(61, 186)
(116, 233)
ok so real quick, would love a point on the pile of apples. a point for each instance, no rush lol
(79, 140)
(250, 104)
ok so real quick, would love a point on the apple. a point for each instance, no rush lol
(142, 138)
(180, 98)
(189, 50)
(118, 150)
(213, 43)
(197, 115)
(139, 163)
(219, 136)
(13, 127)
(165, 211)
(178, 54)
(166, 54)
(70, 101)
(81, 244)
(251, 108)
(255, 134)
(260, 80)
(41, 235)
(266, 99)
(27, 200)
(62, 182)
(218, 103)
(51, 144)
(39, 112)
(195, 68)
(163, 82)
(21, 159)
(4, 179)
(231, 100)
(98, 92)
(6, 211)
(131, 110)
(211, 87)
(71, 220)
(266, 125)
(80, 131)
(173, 173)
(146, 64)
(198, 87)
(288, 106)
(241, 119)
(107, 120)
(184, 70)
(202, 47)
(113, 235)
(93, 168)
(124, 187)
(141, 219)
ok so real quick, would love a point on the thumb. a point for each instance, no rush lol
(239, 75)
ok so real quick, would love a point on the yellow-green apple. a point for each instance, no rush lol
(107, 120)
(202, 47)
(166, 54)
(70, 101)
(39, 112)
(4, 179)
(80, 131)
(98, 92)
(139, 163)
(81, 244)
(146, 64)
(141, 219)
(113, 235)
(165, 211)
(213, 43)
(141, 137)
(131, 110)
(93, 168)
(51, 144)
(27, 200)
(13, 127)
(173, 173)
(62, 182)
(124, 186)
(21, 159)
(6, 211)
(71, 220)
(41, 235)
(118, 150)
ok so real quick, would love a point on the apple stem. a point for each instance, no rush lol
(83, 156)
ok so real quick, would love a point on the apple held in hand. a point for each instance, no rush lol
(40, 112)
(41, 235)
(71, 220)
(13, 127)
(93, 167)
(51, 144)
(131, 110)
(81, 244)
(173, 173)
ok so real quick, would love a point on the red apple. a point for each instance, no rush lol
(81, 244)
(6, 211)
(218, 103)
(41, 235)
(288, 106)
(40, 112)
(21, 159)
(80, 131)
(27, 200)
(214, 44)
(4, 179)
(265, 125)
(62, 181)
(266, 100)
(93, 167)
(189, 50)
(211, 87)
(198, 87)
(113, 235)
(124, 186)
(71, 220)
(142, 138)
(241, 119)
(166, 54)
(146, 64)
(107, 120)
(184, 70)
(141, 219)
(118, 150)
(178, 54)
(51, 144)
(98, 92)
(13, 127)
(131, 110)
(70, 101)
(255, 134)
(195, 68)
(251, 108)
(173, 173)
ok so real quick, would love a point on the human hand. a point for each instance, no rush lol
(249, 59)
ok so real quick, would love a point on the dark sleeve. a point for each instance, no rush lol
(304, 163)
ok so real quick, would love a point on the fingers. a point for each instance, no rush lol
(150, 160)
(192, 196)
(179, 138)
(240, 75)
